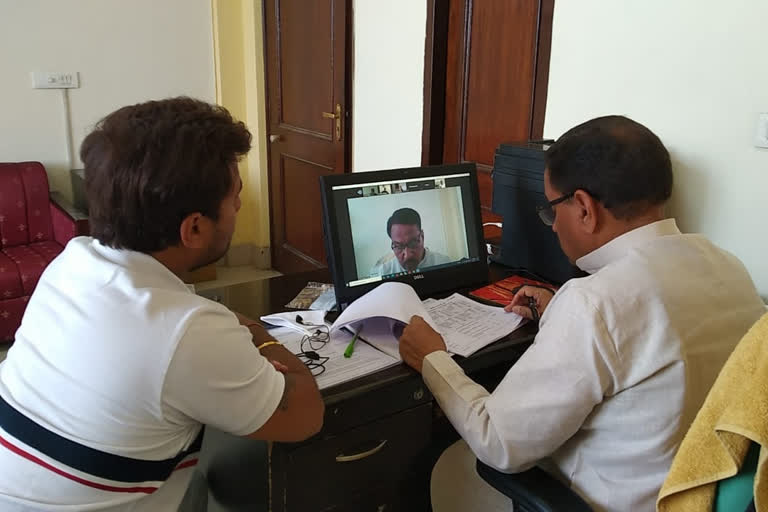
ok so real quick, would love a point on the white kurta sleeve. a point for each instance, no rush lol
(218, 377)
(544, 398)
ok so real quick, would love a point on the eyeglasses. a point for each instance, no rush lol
(413, 243)
(547, 212)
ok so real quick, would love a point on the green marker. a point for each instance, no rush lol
(351, 346)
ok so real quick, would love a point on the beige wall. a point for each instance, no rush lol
(695, 72)
(239, 54)
(126, 52)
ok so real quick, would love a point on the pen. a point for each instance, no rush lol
(351, 346)
(532, 307)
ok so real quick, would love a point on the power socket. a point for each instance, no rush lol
(55, 80)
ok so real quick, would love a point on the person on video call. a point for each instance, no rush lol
(404, 229)
(623, 358)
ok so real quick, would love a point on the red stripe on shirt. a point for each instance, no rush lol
(146, 490)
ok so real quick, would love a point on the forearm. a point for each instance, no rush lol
(259, 333)
(301, 409)
(279, 353)
(464, 403)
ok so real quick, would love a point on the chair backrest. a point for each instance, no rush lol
(25, 215)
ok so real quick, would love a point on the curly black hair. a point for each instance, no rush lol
(148, 166)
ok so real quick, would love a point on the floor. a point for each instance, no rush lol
(225, 276)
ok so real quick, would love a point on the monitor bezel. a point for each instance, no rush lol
(428, 283)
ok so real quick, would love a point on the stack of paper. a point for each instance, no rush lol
(466, 325)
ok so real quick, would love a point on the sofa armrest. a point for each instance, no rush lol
(68, 222)
(534, 490)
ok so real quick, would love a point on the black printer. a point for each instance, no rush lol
(518, 188)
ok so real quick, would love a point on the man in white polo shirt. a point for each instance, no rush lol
(623, 358)
(117, 365)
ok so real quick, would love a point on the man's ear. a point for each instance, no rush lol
(588, 211)
(195, 231)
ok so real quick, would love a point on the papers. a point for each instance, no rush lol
(364, 361)
(314, 296)
(466, 326)
(393, 300)
(326, 301)
(310, 320)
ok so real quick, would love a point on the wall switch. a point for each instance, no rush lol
(55, 80)
(761, 134)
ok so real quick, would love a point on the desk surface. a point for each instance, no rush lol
(263, 297)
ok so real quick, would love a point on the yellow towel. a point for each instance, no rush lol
(734, 414)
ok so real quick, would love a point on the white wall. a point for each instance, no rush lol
(388, 83)
(126, 52)
(694, 72)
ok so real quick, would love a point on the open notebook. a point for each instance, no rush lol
(466, 325)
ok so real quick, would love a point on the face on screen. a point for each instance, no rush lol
(408, 245)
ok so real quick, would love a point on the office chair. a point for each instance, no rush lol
(533, 490)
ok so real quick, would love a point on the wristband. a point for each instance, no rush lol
(268, 343)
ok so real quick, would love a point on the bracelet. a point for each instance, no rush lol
(268, 343)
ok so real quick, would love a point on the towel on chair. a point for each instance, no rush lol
(734, 415)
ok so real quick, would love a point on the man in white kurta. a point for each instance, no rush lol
(622, 362)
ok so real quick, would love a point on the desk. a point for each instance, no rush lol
(373, 453)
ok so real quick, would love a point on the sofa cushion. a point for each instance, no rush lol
(24, 204)
(28, 263)
(10, 279)
(11, 312)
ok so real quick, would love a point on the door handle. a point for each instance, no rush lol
(337, 116)
(275, 138)
(362, 455)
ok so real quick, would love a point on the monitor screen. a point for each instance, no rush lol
(418, 225)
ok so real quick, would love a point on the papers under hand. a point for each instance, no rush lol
(466, 326)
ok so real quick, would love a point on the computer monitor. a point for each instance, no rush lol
(420, 225)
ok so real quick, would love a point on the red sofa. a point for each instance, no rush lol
(33, 231)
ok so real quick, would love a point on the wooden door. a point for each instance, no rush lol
(497, 66)
(308, 119)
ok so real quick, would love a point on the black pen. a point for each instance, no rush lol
(534, 310)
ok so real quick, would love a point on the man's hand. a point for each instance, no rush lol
(279, 367)
(520, 302)
(418, 341)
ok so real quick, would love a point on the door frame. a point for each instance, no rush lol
(348, 108)
(435, 74)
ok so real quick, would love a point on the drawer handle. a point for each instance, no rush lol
(361, 455)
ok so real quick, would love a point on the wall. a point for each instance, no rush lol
(695, 73)
(388, 83)
(126, 52)
(240, 87)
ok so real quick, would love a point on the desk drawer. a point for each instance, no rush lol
(330, 471)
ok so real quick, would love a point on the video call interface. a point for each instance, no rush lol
(389, 229)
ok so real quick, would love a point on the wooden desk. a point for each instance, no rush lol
(373, 453)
